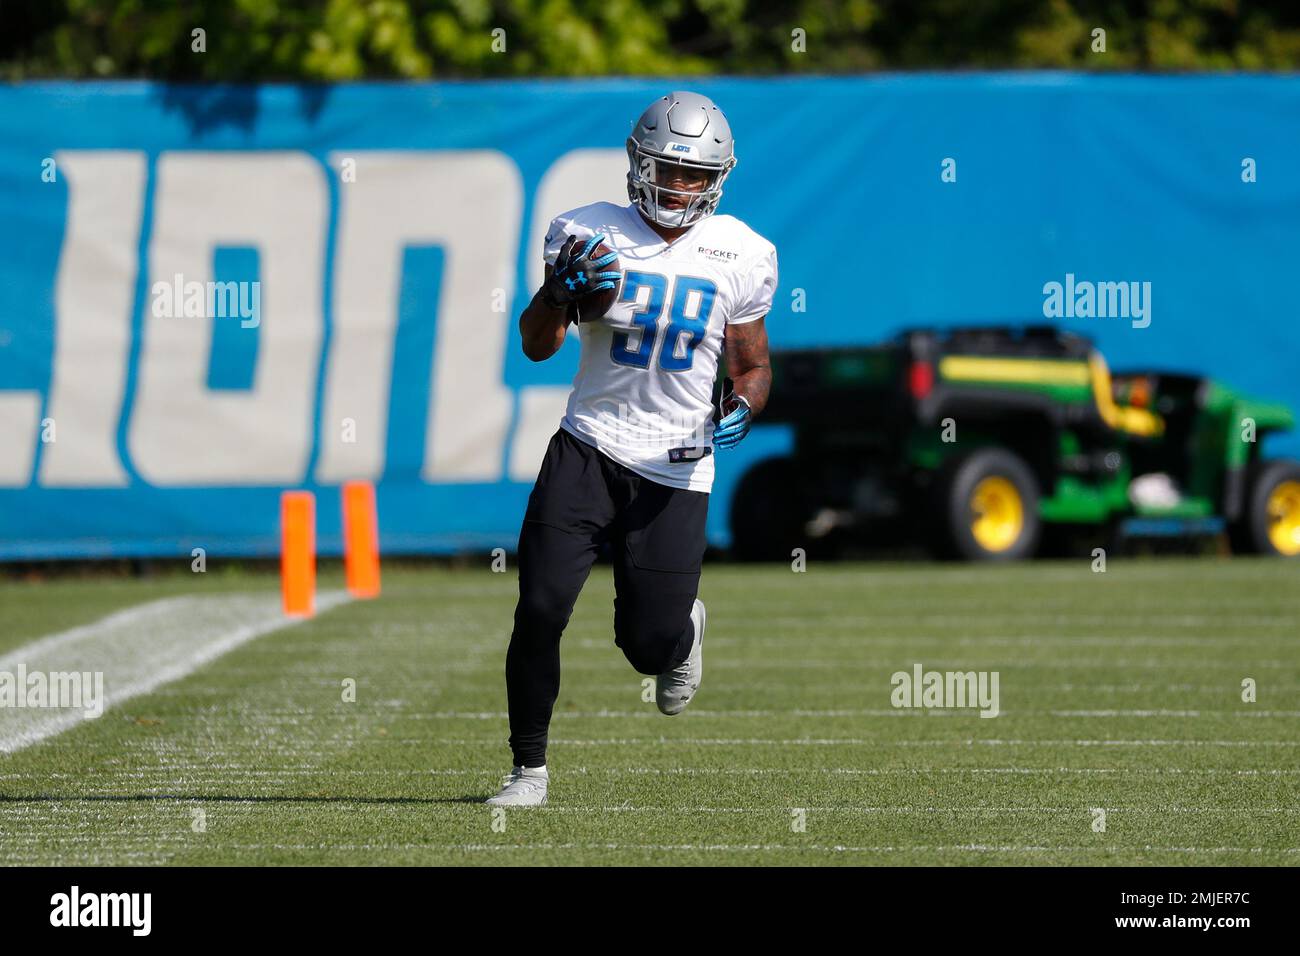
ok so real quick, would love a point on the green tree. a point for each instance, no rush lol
(328, 40)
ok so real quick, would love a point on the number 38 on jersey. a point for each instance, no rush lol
(689, 301)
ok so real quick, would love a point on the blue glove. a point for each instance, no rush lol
(735, 425)
(577, 275)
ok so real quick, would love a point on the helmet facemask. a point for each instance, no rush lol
(648, 174)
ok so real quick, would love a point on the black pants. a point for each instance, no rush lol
(583, 500)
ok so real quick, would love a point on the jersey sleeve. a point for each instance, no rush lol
(760, 283)
(562, 226)
(556, 234)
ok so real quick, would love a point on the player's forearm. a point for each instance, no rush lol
(749, 364)
(542, 328)
(753, 385)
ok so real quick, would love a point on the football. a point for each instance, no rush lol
(594, 306)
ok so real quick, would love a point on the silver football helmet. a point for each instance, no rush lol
(680, 139)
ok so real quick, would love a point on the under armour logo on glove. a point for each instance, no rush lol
(577, 275)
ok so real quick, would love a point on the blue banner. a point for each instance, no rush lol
(210, 294)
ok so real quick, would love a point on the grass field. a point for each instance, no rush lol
(1118, 691)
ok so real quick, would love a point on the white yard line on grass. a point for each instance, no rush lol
(650, 714)
(226, 772)
(909, 811)
(139, 649)
(845, 742)
(747, 847)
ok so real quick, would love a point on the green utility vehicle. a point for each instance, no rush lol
(979, 440)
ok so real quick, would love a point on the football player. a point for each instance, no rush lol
(631, 465)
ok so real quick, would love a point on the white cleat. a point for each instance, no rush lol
(525, 787)
(674, 689)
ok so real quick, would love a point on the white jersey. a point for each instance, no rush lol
(643, 394)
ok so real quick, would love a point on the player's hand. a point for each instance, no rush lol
(576, 274)
(735, 425)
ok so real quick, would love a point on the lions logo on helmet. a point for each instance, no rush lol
(681, 131)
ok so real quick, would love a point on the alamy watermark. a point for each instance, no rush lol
(651, 432)
(208, 300)
(1102, 300)
(129, 910)
(956, 690)
(53, 689)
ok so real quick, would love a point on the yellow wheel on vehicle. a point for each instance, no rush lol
(999, 514)
(1284, 517)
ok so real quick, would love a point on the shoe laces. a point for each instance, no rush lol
(517, 777)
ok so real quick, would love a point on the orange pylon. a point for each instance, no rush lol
(361, 539)
(298, 553)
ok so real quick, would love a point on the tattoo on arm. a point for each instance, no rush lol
(748, 363)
